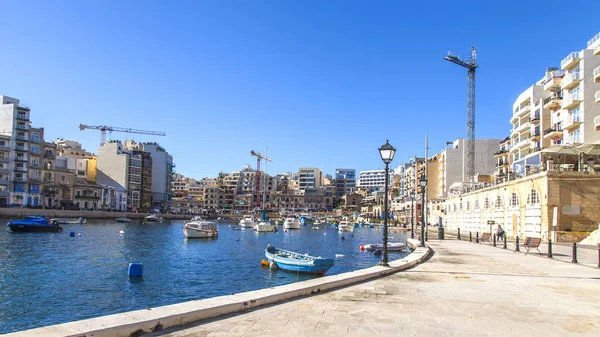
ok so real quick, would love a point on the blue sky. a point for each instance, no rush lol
(318, 83)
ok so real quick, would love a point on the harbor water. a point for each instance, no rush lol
(52, 278)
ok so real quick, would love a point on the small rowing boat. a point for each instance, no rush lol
(296, 262)
(391, 246)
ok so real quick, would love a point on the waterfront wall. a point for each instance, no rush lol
(525, 207)
(136, 323)
(17, 213)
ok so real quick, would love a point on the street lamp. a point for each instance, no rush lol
(387, 152)
(412, 217)
(423, 184)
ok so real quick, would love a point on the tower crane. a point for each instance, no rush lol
(258, 158)
(104, 128)
(471, 65)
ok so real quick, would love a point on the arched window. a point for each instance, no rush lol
(486, 203)
(476, 204)
(499, 201)
(514, 200)
(468, 205)
(533, 198)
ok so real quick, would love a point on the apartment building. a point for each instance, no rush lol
(5, 171)
(345, 181)
(310, 177)
(372, 180)
(121, 169)
(71, 149)
(162, 174)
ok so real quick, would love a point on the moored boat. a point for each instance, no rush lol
(200, 229)
(265, 226)
(33, 224)
(391, 246)
(65, 221)
(247, 222)
(345, 226)
(291, 222)
(123, 220)
(154, 218)
(296, 262)
(306, 220)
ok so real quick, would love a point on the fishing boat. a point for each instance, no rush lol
(200, 229)
(154, 218)
(291, 222)
(247, 222)
(123, 220)
(306, 220)
(65, 221)
(296, 262)
(391, 246)
(33, 224)
(265, 226)
(345, 226)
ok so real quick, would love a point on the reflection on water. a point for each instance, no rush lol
(51, 278)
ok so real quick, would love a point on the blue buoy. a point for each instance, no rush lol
(135, 270)
(72, 234)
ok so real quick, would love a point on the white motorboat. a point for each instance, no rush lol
(123, 220)
(291, 222)
(345, 226)
(391, 246)
(64, 221)
(265, 226)
(247, 222)
(154, 218)
(200, 229)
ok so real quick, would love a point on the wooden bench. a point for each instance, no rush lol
(532, 243)
(485, 237)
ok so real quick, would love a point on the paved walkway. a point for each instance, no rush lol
(465, 289)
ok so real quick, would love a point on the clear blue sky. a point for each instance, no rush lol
(320, 83)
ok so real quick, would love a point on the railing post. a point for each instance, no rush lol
(574, 252)
(517, 245)
(477, 237)
(494, 240)
(470, 236)
(550, 248)
(504, 242)
(459, 233)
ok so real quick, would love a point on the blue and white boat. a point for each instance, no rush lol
(33, 224)
(306, 220)
(296, 262)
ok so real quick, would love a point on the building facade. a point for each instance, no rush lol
(310, 177)
(345, 181)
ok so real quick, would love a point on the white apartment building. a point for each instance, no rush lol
(373, 180)
(310, 177)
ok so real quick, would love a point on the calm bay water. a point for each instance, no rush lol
(51, 278)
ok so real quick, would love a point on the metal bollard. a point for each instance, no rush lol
(550, 248)
(517, 245)
(504, 242)
(470, 237)
(494, 240)
(477, 237)
(574, 252)
(459, 233)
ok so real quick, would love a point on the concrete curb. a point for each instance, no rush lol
(136, 323)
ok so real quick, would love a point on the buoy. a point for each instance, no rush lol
(136, 269)
(78, 234)
(121, 232)
(72, 234)
(237, 240)
(324, 233)
(362, 248)
(264, 263)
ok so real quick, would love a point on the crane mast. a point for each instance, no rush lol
(471, 65)
(258, 158)
(104, 128)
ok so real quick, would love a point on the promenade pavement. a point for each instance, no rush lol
(465, 289)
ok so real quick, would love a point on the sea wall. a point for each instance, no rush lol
(17, 213)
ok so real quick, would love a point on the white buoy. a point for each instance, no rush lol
(339, 256)
(324, 233)
(121, 232)
(78, 234)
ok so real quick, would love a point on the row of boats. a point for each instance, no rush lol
(31, 224)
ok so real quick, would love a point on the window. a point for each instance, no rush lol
(533, 198)
(468, 205)
(63, 178)
(476, 204)
(486, 203)
(514, 200)
(3, 155)
(78, 193)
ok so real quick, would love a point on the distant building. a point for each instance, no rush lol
(310, 177)
(372, 180)
(345, 181)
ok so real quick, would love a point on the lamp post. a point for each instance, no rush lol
(423, 184)
(387, 152)
(412, 217)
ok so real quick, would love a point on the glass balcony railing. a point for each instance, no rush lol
(569, 59)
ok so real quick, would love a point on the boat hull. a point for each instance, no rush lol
(122, 220)
(34, 229)
(390, 247)
(263, 228)
(311, 265)
(346, 228)
(196, 234)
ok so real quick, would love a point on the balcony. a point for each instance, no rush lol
(597, 51)
(521, 127)
(4, 160)
(20, 179)
(22, 138)
(597, 96)
(534, 136)
(553, 83)
(4, 181)
(572, 123)
(570, 61)
(20, 169)
(597, 123)
(49, 155)
(522, 111)
(22, 127)
(571, 80)
(36, 139)
(21, 148)
(35, 179)
(22, 117)
(87, 197)
(597, 74)
(535, 120)
(500, 153)
(552, 102)
(21, 159)
(571, 101)
(534, 150)
(553, 133)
